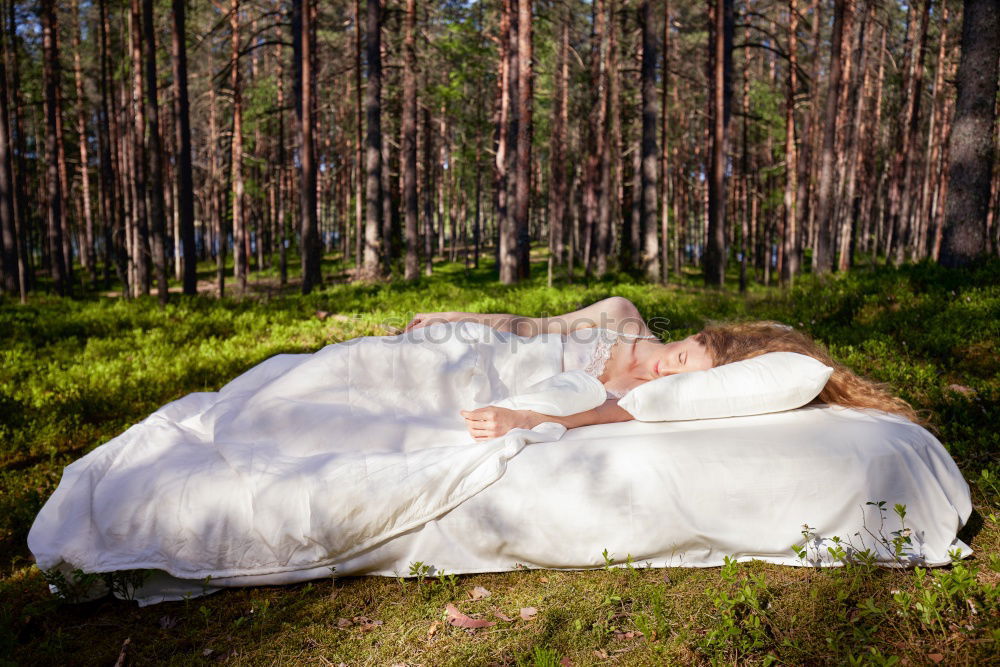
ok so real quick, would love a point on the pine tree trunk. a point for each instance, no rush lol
(409, 129)
(722, 49)
(971, 148)
(647, 179)
(666, 169)
(557, 179)
(791, 238)
(522, 195)
(158, 221)
(507, 241)
(823, 254)
(182, 132)
(55, 195)
(140, 217)
(373, 269)
(87, 252)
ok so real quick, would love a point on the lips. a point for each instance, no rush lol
(656, 368)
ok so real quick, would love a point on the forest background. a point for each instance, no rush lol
(142, 137)
(189, 188)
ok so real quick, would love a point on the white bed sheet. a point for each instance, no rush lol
(682, 494)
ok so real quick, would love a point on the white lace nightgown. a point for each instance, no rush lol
(590, 349)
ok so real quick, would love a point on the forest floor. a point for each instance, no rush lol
(75, 373)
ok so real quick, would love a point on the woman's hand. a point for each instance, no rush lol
(492, 422)
(421, 320)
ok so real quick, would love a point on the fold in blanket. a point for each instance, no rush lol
(306, 459)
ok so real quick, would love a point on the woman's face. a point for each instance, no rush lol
(659, 360)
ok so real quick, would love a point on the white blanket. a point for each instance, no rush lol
(290, 470)
(306, 460)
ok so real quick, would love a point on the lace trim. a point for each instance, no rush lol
(606, 340)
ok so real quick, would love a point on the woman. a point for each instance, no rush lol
(308, 461)
(627, 354)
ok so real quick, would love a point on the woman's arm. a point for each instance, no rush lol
(616, 313)
(492, 421)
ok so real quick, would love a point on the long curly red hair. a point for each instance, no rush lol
(737, 341)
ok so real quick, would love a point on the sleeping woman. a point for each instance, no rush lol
(308, 460)
(610, 340)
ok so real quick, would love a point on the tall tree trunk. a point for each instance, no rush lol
(647, 210)
(507, 241)
(373, 268)
(182, 131)
(409, 129)
(823, 254)
(140, 218)
(215, 208)
(55, 195)
(557, 179)
(359, 184)
(911, 129)
(791, 239)
(304, 74)
(971, 149)
(240, 258)
(87, 252)
(722, 49)
(9, 269)
(522, 196)
(158, 221)
(665, 166)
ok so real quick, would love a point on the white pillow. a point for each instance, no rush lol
(772, 382)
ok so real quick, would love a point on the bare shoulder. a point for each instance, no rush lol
(615, 313)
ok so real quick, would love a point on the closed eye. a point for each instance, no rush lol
(684, 358)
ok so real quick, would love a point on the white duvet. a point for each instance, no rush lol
(356, 458)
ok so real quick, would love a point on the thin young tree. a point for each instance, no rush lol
(971, 149)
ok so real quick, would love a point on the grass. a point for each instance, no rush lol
(75, 373)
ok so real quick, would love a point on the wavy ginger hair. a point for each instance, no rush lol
(735, 342)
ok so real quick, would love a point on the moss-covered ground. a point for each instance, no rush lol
(74, 373)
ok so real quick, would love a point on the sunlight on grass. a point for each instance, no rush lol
(77, 372)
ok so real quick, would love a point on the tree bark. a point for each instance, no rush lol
(522, 196)
(722, 49)
(140, 217)
(9, 270)
(971, 148)
(791, 240)
(309, 221)
(182, 131)
(409, 130)
(373, 268)
(87, 252)
(647, 209)
(50, 31)
(507, 241)
(158, 221)
(557, 178)
(823, 255)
